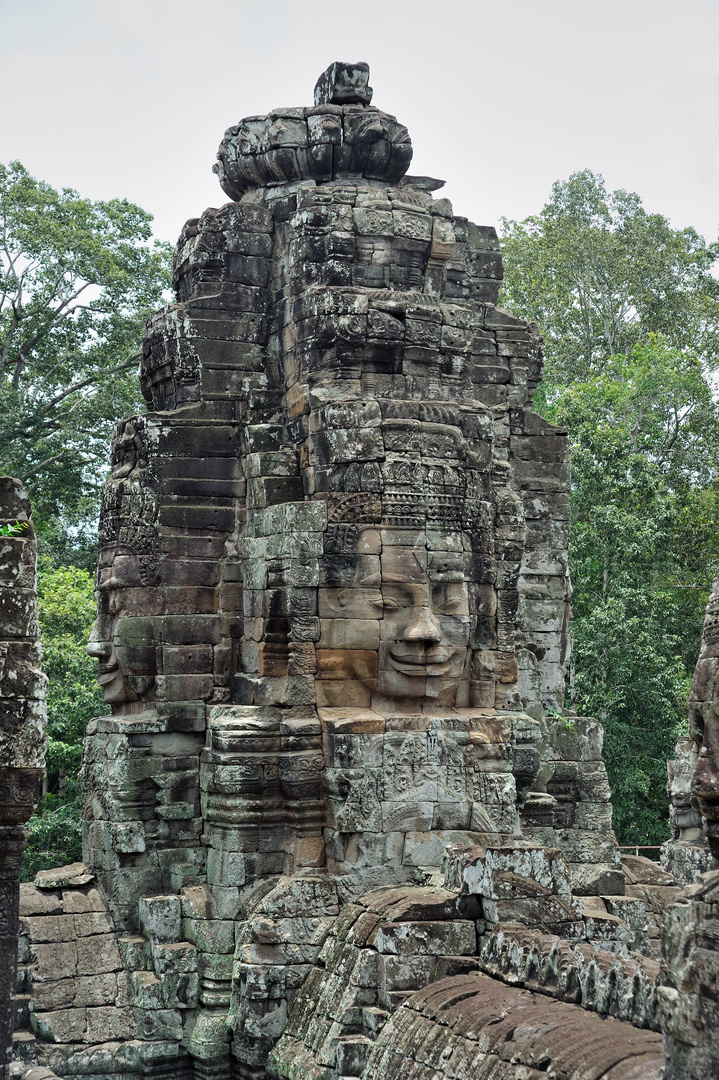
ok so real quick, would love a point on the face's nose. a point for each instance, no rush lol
(96, 646)
(423, 627)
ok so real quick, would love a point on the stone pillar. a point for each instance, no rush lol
(690, 942)
(689, 994)
(22, 728)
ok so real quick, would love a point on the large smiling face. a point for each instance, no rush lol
(395, 627)
(423, 639)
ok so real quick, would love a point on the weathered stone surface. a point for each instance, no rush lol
(704, 730)
(75, 874)
(578, 972)
(474, 1026)
(378, 951)
(688, 995)
(22, 728)
(686, 854)
(344, 84)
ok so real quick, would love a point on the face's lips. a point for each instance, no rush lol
(107, 674)
(420, 665)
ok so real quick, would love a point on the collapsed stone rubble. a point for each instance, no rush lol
(338, 794)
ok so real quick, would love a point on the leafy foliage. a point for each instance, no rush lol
(14, 529)
(599, 274)
(67, 611)
(55, 833)
(630, 315)
(78, 279)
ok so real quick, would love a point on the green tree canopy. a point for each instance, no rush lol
(67, 609)
(598, 273)
(78, 280)
(644, 547)
(629, 310)
(66, 605)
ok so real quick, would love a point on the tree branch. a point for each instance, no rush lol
(86, 382)
(37, 468)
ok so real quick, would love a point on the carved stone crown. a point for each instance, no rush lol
(341, 135)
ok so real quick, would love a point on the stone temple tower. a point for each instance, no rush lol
(332, 589)
(338, 524)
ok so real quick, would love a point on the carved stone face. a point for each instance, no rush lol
(423, 639)
(110, 675)
(396, 625)
(705, 781)
(122, 638)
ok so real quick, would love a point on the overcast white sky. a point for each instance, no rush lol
(501, 97)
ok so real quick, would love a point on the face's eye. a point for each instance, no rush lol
(388, 604)
(450, 599)
(451, 607)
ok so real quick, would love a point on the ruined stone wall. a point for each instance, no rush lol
(22, 727)
(361, 1010)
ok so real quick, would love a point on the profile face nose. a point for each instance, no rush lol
(423, 627)
(96, 646)
(98, 649)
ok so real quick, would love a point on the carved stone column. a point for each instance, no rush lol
(22, 728)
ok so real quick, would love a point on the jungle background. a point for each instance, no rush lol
(629, 310)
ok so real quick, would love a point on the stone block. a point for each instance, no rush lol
(72, 876)
(39, 902)
(630, 910)
(76, 902)
(427, 938)
(594, 817)
(76, 992)
(160, 918)
(597, 879)
(210, 935)
(582, 846)
(57, 959)
(63, 1026)
(181, 991)
(408, 972)
(134, 951)
(49, 928)
(158, 1024)
(352, 1053)
(92, 922)
(146, 990)
(98, 954)
(225, 868)
(174, 958)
